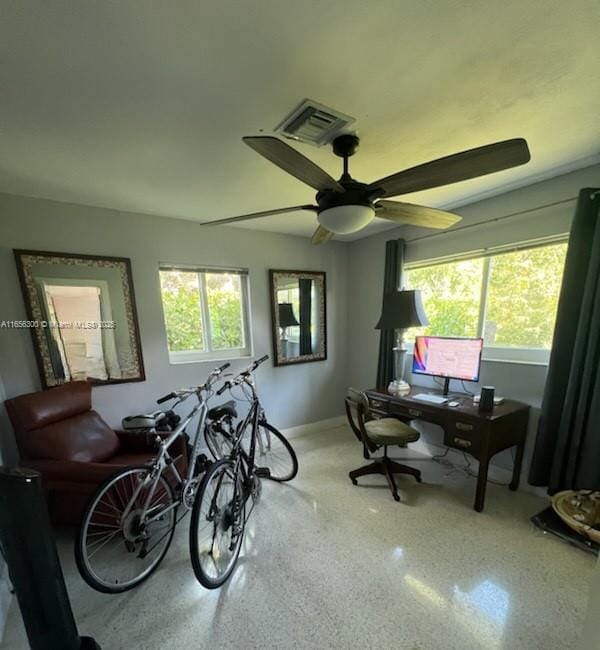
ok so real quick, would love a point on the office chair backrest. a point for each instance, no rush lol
(358, 400)
(357, 410)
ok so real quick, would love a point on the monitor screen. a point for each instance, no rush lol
(447, 357)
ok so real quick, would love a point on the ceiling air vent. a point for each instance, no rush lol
(314, 123)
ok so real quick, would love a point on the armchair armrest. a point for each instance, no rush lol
(145, 442)
(70, 471)
(131, 442)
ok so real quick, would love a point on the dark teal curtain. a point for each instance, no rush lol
(392, 280)
(305, 290)
(567, 447)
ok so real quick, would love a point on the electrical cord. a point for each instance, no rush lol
(466, 469)
(469, 472)
(467, 391)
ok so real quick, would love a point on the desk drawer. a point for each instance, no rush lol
(463, 434)
(378, 405)
(416, 412)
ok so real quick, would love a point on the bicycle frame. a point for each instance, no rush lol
(244, 462)
(164, 460)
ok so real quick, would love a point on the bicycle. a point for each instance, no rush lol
(130, 520)
(219, 514)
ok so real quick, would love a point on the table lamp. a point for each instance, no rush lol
(401, 310)
(286, 318)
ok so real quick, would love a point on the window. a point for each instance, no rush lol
(206, 313)
(509, 298)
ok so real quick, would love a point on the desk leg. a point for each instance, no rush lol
(481, 483)
(514, 484)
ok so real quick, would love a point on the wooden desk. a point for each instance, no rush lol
(465, 428)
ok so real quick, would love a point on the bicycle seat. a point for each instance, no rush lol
(218, 412)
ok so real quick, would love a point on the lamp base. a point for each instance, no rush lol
(399, 387)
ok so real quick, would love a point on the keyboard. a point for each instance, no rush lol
(432, 399)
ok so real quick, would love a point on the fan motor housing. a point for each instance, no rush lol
(356, 194)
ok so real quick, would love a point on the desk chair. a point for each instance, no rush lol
(376, 433)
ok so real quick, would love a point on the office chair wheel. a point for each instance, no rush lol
(418, 479)
(354, 481)
(396, 497)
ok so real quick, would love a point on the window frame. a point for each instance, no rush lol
(525, 355)
(177, 357)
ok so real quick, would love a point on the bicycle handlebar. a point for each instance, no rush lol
(223, 388)
(261, 360)
(242, 376)
(188, 391)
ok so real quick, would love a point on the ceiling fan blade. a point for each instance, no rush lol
(293, 162)
(457, 167)
(321, 235)
(415, 215)
(258, 215)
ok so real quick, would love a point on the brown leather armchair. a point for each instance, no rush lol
(60, 436)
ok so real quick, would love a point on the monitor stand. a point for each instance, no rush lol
(446, 386)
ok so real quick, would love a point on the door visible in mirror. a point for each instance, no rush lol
(83, 317)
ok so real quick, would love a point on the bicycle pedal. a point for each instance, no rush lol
(262, 472)
(202, 464)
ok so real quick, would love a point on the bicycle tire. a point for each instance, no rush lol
(204, 506)
(276, 474)
(81, 543)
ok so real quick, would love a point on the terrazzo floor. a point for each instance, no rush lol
(329, 565)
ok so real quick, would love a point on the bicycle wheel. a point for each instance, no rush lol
(219, 443)
(273, 452)
(115, 553)
(217, 525)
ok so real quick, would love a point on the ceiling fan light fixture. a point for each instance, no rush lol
(346, 219)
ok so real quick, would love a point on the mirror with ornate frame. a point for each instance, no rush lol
(82, 316)
(299, 315)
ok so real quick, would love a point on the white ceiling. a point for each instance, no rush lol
(142, 105)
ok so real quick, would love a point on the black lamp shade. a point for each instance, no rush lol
(402, 309)
(286, 315)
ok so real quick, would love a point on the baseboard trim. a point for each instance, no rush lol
(312, 427)
(456, 458)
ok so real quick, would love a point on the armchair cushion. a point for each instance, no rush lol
(389, 431)
(84, 437)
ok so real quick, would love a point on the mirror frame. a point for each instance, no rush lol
(318, 276)
(33, 310)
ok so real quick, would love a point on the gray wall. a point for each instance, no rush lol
(524, 382)
(292, 395)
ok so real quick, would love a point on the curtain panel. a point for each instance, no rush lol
(305, 286)
(567, 446)
(392, 281)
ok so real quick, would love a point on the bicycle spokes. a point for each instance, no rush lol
(217, 525)
(126, 530)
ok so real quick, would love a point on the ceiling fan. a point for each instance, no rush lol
(346, 205)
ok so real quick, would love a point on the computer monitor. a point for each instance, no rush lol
(448, 357)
